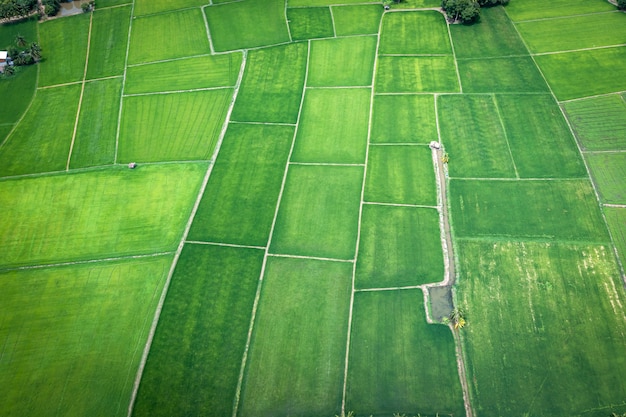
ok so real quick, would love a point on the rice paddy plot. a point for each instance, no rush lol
(72, 336)
(404, 119)
(172, 127)
(342, 62)
(247, 24)
(41, 142)
(410, 74)
(526, 210)
(310, 23)
(297, 354)
(96, 214)
(473, 136)
(608, 171)
(21, 89)
(357, 19)
(240, 200)
(616, 220)
(400, 246)
(398, 362)
(584, 73)
(107, 48)
(501, 75)
(333, 126)
(319, 212)
(538, 9)
(536, 313)
(272, 96)
(168, 36)
(401, 174)
(423, 32)
(143, 7)
(195, 357)
(599, 123)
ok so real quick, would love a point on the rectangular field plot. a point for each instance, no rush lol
(616, 219)
(357, 20)
(96, 214)
(297, 354)
(333, 126)
(599, 123)
(167, 36)
(353, 55)
(398, 361)
(400, 246)
(21, 89)
(310, 23)
(107, 48)
(501, 75)
(401, 174)
(272, 96)
(537, 210)
(97, 126)
(425, 74)
(172, 127)
(423, 32)
(536, 313)
(319, 212)
(195, 357)
(539, 9)
(472, 133)
(41, 142)
(157, 6)
(240, 199)
(404, 119)
(72, 336)
(609, 174)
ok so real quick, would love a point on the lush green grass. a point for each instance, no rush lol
(416, 4)
(333, 126)
(167, 36)
(342, 62)
(529, 210)
(310, 23)
(396, 117)
(96, 214)
(72, 336)
(63, 49)
(616, 219)
(247, 24)
(400, 246)
(546, 330)
(401, 174)
(107, 48)
(26, 28)
(357, 20)
(501, 75)
(195, 357)
(297, 354)
(312, 3)
(156, 6)
(609, 174)
(423, 32)
(172, 127)
(494, 36)
(472, 133)
(272, 96)
(318, 214)
(398, 362)
(240, 200)
(97, 126)
(109, 3)
(4, 131)
(41, 142)
(406, 74)
(584, 73)
(21, 89)
(599, 123)
(538, 9)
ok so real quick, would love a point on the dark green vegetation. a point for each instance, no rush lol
(21, 87)
(16, 8)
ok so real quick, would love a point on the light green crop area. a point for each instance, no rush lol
(310, 23)
(411, 74)
(539, 9)
(404, 119)
(501, 75)
(423, 32)
(357, 20)
(354, 55)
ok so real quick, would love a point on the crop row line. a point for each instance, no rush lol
(620, 45)
(619, 93)
(191, 90)
(563, 17)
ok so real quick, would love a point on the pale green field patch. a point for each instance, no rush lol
(342, 62)
(404, 119)
(407, 74)
(357, 20)
(423, 32)
(540, 9)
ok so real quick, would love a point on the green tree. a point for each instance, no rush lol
(466, 11)
(35, 51)
(621, 4)
(20, 40)
(9, 70)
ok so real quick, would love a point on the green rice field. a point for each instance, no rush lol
(354, 55)
(310, 23)
(608, 172)
(395, 117)
(107, 47)
(357, 19)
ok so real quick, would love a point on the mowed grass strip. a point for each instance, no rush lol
(96, 214)
(97, 125)
(195, 357)
(429, 74)
(609, 174)
(530, 210)
(423, 32)
(143, 7)
(333, 126)
(107, 48)
(400, 246)
(474, 138)
(536, 313)
(354, 55)
(398, 362)
(21, 89)
(319, 212)
(172, 127)
(297, 354)
(310, 23)
(41, 142)
(357, 20)
(538, 9)
(240, 200)
(404, 119)
(616, 220)
(501, 75)
(272, 96)
(167, 36)
(401, 174)
(72, 336)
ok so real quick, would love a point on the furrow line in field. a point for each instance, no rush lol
(517, 179)
(374, 203)
(408, 287)
(208, 31)
(332, 19)
(619, 45)
(262, 123)
(230, 245)
(456, 62)
(600, 152)
(191, 90)
(398, 144)
(619, 93)
(315, 258)
(563, 17)
(323, 164)
(506, 135)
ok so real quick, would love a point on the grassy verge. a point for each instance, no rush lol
(395, 118)
(107, 49)
(354, 55)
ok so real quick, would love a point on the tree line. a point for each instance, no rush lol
(16, 9)
(468, 11)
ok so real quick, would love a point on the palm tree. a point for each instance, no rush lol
(457, 318)
(20, 40)
(9, 70)
(35, 51)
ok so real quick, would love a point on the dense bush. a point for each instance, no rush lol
(466, 11)
(621, 4)
(51, 7)
(16, 8)
(489, 3)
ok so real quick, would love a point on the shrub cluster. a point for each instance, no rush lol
(16, 8)
(621, 4)
(21, 53)
(468, 11)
